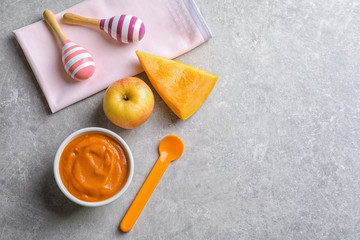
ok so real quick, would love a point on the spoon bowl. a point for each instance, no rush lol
(172, 146)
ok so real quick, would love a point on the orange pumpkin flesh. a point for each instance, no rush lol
(183, 88)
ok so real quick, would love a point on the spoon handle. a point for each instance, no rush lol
(51, 20)
(71, 18)
(145, 192)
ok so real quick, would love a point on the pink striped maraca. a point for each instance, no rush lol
(124, 28)
(78, 62)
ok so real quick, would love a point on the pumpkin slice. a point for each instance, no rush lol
(183, 88)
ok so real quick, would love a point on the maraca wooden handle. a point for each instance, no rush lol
(71, 18)
(51, 20)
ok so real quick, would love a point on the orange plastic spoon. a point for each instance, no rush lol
(170, 149)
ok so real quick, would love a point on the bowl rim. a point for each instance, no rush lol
(57, 162)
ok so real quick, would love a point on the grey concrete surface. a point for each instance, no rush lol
(272, 154)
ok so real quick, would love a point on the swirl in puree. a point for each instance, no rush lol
(93, 167)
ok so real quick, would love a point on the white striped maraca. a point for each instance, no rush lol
(78, 62)
(124, 28)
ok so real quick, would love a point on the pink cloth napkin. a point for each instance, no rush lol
(173, 27)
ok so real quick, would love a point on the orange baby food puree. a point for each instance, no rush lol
(93, 167)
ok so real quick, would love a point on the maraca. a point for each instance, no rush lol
(78, 62)
(124, 28)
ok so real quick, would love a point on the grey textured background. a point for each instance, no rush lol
(272, 154)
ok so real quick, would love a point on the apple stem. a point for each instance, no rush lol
(125, 97)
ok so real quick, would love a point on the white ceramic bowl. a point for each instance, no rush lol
(115, 137)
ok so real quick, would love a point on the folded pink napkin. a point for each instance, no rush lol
(173, 27)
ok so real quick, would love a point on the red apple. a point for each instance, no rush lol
(128, 102)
